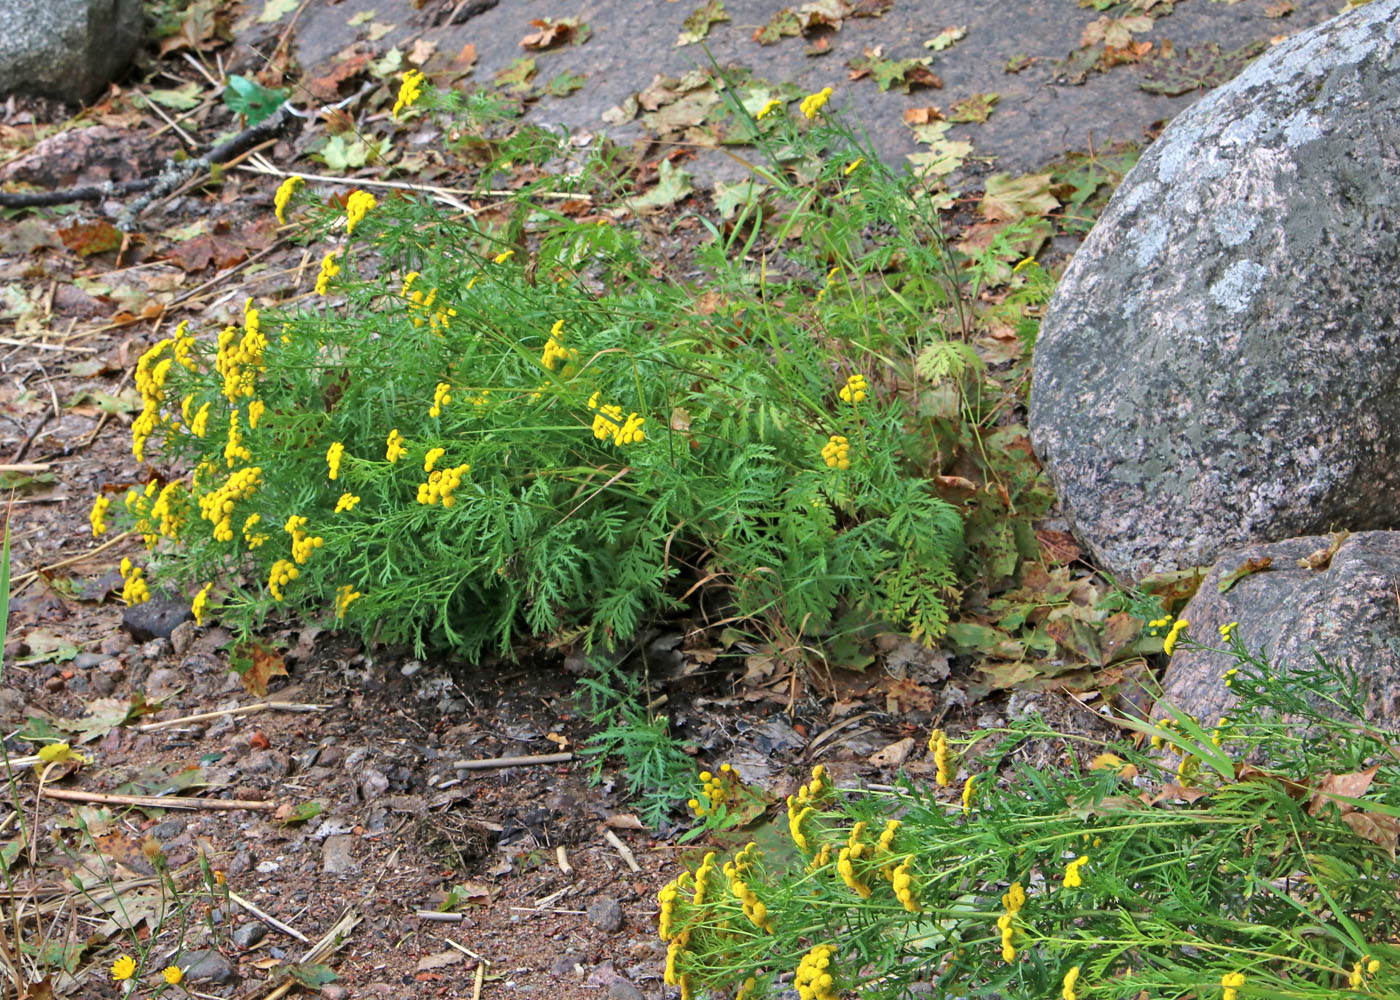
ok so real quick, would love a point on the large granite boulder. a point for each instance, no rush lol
(1221, 362)
(69, 49)
(1344, 610)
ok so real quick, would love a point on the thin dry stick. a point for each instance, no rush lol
(623, 850)
(407, 186)
(437, 916)
(490, 762)
(267, 918)
(32, 575)
(26, 467)
(321, 950)
(157, 801)
(262, 706)
(11, 342)
(563, 860)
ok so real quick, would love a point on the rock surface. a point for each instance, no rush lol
(1218, 365)
(69, 49)
(1346, 612)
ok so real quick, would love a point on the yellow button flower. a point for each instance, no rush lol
(409, 91)
(357, 206)
(123, 968)
(284, 195)
(173, 974)
(813, 103)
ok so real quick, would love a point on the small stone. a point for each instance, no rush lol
(208, 967)
(86, 661)
(164, 682)
(373, 784)
(337, 855)
(411, 667)
(117, 642)
(273, 762)
(55, 683)
(155, 649)
(155, 619)
(182, 636)
(169, 829)
(567, 964)
(621, 989)
(249, 934)
(605, 913)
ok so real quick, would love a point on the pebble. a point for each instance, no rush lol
(621, 989)
(169, 829)
(103, 685)
(208, 966)
(155, 619)
(182, 636)
(337, 856)
(373, 784)
(605, 913)
(567, 964)
(86, 661)
(117, 642)
(164, 682)
(273, 762)
(249, 934)
(156, 648)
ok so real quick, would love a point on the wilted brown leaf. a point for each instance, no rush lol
(260, 664)
(1382, 830)
(895, 754)
(1350, 786)
(88, 238)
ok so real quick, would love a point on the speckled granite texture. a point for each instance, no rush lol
(69, 49)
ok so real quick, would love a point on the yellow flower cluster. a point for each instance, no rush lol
(240, 364)
(969, 789)
(1012, 901)
(283, 572)
(329, 269)
(801, 806)
(1067, 986)
(441, 484)
(255, 411)
(851, 853)
(854, 389)
(409, 91)
(151, 372)
(1367, 966)
(830, 282)
(1227, 631)
(285, 190)
(501, 258)
(138, 506)
(1073, 880)
(430, 459)
(357, 206)
(555, 351)
(813, 981)
(98, 516)
(344, 595)
(134, 589)
(216, 506)
(303, 544)
(346, 502)
(169, 510)
(904, 884)
(333, 456)
(768, 108)
(183, 342)
(438, 318)
(716, 789)
(234, 450)
(442, 396)
(201, 603)
(754, 908)
(1169, 643)
(254, 541)
(396, 449)
(837, 453)
(942, 757)
(199, 426)
(1232, 981)
(609, 423)
(813, 103)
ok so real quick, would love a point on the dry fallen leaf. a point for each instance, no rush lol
(895, 754)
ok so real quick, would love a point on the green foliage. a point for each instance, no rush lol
(584, 434)
(1253, 858)
(251, 99)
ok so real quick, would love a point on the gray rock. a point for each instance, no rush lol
(156, 618)
(1218, 365)
(86, 661)
(163, 682)
(337, 855)
(69, 49)
(249, 934)
(117, 642)
(1345, 612)
(208, 967)
(182, 636)
(274, 763)
(567, 964)
(373, 784)
(605, 913)
(169, 829)
(621, 989)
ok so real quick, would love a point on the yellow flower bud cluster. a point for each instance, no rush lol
(151, 373)
(716, 789)
(199, 426)
(442, 396)
(609, 423)
(234, 450)
(357, 206)
(201, 602)
(255, 411)
(813, 981)
(754, 908)
(344, 595)
(903, 882)
(830, 283)
(850, 854)
(216, 506)
(183, 342)
(555, 351)
(171, 510)
(134, 589)
(241, 363)
(283, 572)
(441, 484)
(329, 269)
(254, 540)
(836, 453)
(1070, 981)
(1169, 643)
(854, 389)
(768, 108)
(1073, 879)
(280, 200)
(346, 503)
(813, 103)
(333, 456)
(801, 806)
(430, 459)
(942, 758)
(409, 90)
(1012, 901)
(138, 505)
(303, 544)
(396, 449)
(1359, 970)
(98, 516)
(1232, 981)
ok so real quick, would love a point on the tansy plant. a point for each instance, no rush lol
(1267, 871)
(518, 422)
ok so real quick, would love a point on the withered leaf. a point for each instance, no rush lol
(1248, 568)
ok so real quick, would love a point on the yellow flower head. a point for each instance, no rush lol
(1073, 879)
(333, 456)
(767, 109)
(837, 453)
(329, 269)
(1169, 643)
(854, 389)
(56, 752)
(123, 968)
(284, 195)
(442, 396)
(409, 91)
(430, 459)
(1067, 988)
(201, 602)
(173, 974)
(357, 206)
(396, 448)
(813, 103)
(98, 517)
(854, 165)
(1232, 981)
(346, 502)
(503, 256)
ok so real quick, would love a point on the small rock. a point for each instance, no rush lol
(155, 619)
(164, 682)
(373, 784)
(86, 661)
(567, 964)
(411, 667)
(208, 967)
(621, 989)
(169, 829)
(337, 856)
(334, 991)
(155, 649)
(55, 683)
(182, 636)
(224, 725)
(249, 934)
(605, 913)
(117, 642)
(273, 762)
